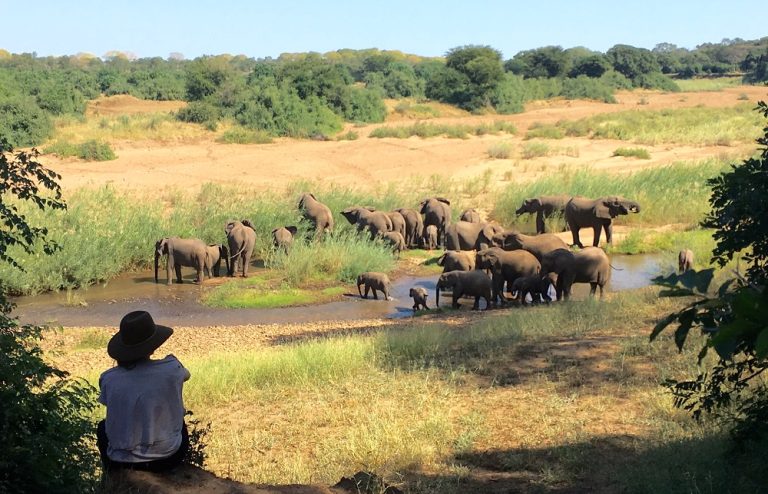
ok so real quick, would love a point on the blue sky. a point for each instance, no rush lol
(429, 28)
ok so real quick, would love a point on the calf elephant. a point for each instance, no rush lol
(395, 240)
(366, 218)
(398, 222)
(506, 267)
(241, 237)
(545, 207)
(470, 215)
(282, 237)
(456, 260)
(464, 235)
(215, 253)
(316, 213)
(436, 211)
(537, 286)
(685, 260)
(414, 226)
(581, 212)
(465, 283)
(430, 237)
(589, 265)
(180, 252)
(374, 281)
(538, 245)
(419, 294)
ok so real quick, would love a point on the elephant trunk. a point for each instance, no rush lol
(157, 260)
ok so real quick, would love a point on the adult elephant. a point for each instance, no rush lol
(241, 237)
(215, 254)
(506, 267)
(456, 260)
(464, 235)
(538, 245)
(398, 222)
(465, 283)
(471, 215)
(180, 252)
(581, 212)
(367, 218)
(437, 211)
(316, 213)
(545, 207)
(414, 226)
(588, 265)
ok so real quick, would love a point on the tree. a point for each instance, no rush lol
(591, 66)
(632, 61)
(45, 425)
(548, 61)
(734, 320)
(482, 69)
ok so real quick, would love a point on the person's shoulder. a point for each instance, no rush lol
(169, 359)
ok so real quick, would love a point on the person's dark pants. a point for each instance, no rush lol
(161, 465)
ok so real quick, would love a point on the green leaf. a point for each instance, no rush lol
(686, 321)
(661, 325)
(761, 344)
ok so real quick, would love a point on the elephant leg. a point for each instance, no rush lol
(455, 296)
(575, 233)
(177, 267)
(367, 289)
(593, 289)
(540, 227)
(476, 305)
(375, 295)
(596, 229)
(246, 265)
(608, 232)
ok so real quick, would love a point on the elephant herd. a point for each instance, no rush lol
(481, 258)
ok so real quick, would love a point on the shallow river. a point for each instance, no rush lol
(105, 304)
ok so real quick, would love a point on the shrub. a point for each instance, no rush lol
(198, 112)
(534, 150)
(240, 135)
(23, 123)
(348, 136)
(655, 80)
(501, 150)
(583, 87)
(633, 153)
(544, 131)
(91, 150)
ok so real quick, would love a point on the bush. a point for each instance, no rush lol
(501, 150)
(23, 123)
(534, 150)
(656, 80)
(198, 112)
(633, 153)
(583, 87)
(240, 135)
(91, 150)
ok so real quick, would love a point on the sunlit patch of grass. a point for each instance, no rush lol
(708, 84)
(535, 149)
(639, 153)
(145, 126)
(92, 340)
(236, 295)
(458, 131)
(500, 150)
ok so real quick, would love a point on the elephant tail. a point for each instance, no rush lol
(617, 269)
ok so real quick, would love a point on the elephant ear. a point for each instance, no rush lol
(488, 232)
(370, 208)
(602, 209)
(443, 200)
(441, 260)
(248, 223)
(274, 230)
(292, 229)
(229, 226)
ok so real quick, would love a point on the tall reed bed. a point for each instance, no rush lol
(677, 193)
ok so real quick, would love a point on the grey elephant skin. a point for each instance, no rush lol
(414, 226)
(588, 265)
(282, 237)
(581, 212)
(180, 252)
(430, 237)
(685, 260)
(538, 245)
(367, 218)
(465, 235)
(457, 260)
(544, 207)
(398, 222)
(537, 286)
(470, 215)
(374, 281)
(241, 237)
(436, 211)
(419, 295)
(395, 240)
(215, 254)
(465, 283)
(506, 267)
(316, 213)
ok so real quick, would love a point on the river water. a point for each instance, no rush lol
(105, 304)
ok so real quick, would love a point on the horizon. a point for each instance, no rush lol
(426, 29)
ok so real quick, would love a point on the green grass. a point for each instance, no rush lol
(708, 84)
(90, 150)
(417, 110)
(535, 149)
(237, 295)
(699, 126)
(426, 130)
(639, 153)
(642, 241)
(676, 193)
(241, 135)
(540, 130)
(500, 150)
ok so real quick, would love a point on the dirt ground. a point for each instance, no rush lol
(153, 166)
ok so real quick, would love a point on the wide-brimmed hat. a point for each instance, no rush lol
(138, 337)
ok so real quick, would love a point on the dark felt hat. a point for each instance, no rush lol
(138, 337)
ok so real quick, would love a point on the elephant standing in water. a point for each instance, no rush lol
(241, 237)
(506, 267)
(589, 265)
(180, 252)
(374, 281)
(685, 260)
(545, 207)
(216, 252)
(316, 213)
(465, 283)
(581, 212)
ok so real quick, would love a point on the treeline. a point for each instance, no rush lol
(309, 94)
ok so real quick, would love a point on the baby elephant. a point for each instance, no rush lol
(374, 281)
(282, 237)
(685, 260)
(537, 286)
(419, 294)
